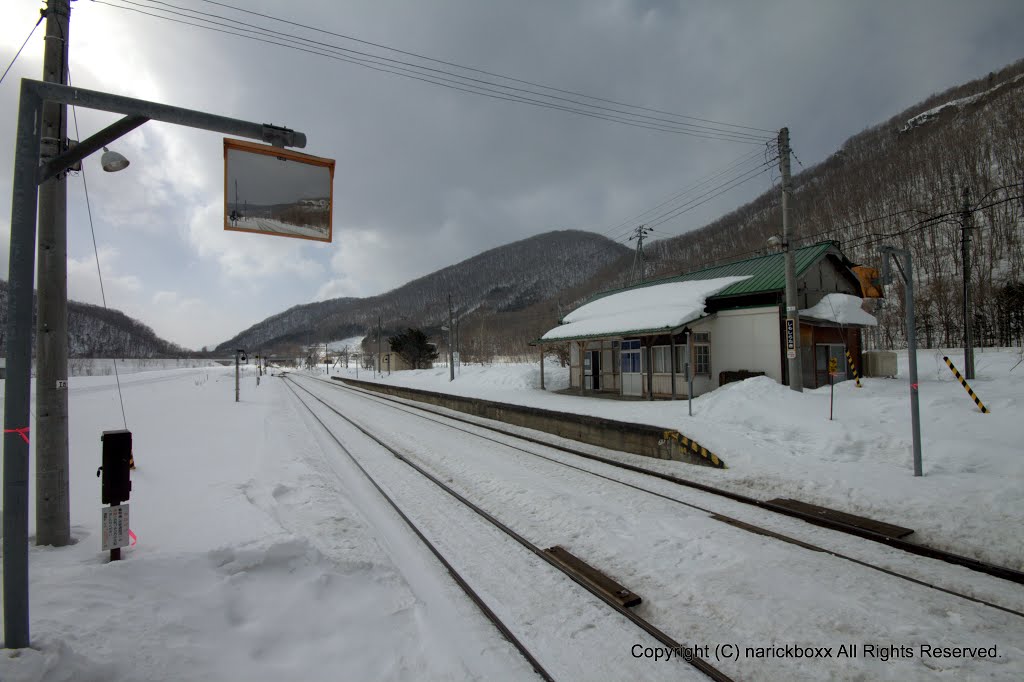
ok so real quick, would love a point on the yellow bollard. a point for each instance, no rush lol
(853, 370)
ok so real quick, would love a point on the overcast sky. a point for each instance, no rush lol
(426, 175)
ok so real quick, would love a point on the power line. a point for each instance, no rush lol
(711, 194)
(481, 71)
(42, 15)
(742, 160)
(432, 75)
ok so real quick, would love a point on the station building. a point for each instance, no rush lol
(722, 323)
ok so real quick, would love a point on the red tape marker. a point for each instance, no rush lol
(132, 536)
(23, 432)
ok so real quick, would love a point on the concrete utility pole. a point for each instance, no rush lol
(638, 273)
(380, 358)
(53, 505)
(796, 377)
(451, 354)
(966, 225)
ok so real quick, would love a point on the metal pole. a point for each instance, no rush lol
(908, 280)
(542, 368)
(650, 368)
(236, 376)
(21, 273)
(796, 381)
(672, 361)
(966, 219)
(380, 360)
(915, 412)
(689, 384)
(451, 354)
(53, 507)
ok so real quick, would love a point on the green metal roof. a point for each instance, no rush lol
(766, 273)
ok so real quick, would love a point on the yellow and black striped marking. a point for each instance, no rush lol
(695, 448)
(853, 370)
(963, 382)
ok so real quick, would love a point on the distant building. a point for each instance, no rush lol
(727, 322)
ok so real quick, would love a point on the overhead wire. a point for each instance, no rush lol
(428, 74)
(740, 161)
(481, 71)
(18, 53)
(96, 251)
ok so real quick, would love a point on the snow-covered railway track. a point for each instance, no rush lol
(958, 583)
(717, 582)
(575, 609)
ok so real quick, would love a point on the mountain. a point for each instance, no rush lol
(502, 280)
(899, 183)
(96, 332)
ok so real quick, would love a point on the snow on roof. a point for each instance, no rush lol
(643, 309)
(842, 309)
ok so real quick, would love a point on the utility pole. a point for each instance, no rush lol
(639, 267)
(327, 364)
(966, 225)
(380, 359)
(796, 378)
(53, 504)
(451, 355)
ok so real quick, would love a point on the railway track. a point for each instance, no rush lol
(700, 668)
(966, 586)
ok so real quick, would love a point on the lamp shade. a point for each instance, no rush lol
(112, 161)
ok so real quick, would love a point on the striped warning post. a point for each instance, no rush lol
(963, 382)
(693, 447)
(853, 370)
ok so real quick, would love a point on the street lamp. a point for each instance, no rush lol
(112, 161)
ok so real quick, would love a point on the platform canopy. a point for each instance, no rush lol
(842, 309)
(654, 309)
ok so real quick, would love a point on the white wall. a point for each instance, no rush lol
(746, 339)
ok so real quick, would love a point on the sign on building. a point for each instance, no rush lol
(277, 191)
(790, 338)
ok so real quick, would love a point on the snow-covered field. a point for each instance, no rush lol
(260, 558)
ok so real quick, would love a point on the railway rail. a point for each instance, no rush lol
(664, 639)
(999, 572)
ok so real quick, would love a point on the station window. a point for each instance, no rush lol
(702, 353)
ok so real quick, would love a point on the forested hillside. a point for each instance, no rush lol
(502, 280)
(95, 332)
(902, 183)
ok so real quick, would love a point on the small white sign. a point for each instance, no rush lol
(455, 357)
(62, 384)
(115, 526)
(790, 354)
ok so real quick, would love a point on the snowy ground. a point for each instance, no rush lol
(779, 443)
(259, 558)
